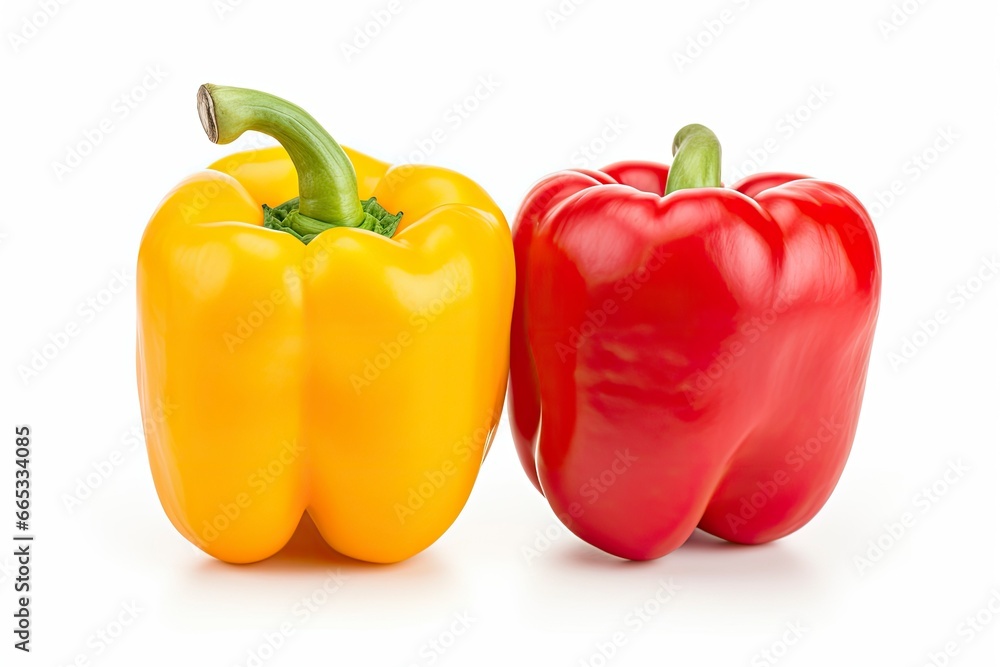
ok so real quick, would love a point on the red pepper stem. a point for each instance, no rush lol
(697, 159)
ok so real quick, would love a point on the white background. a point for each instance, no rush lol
(68, 237)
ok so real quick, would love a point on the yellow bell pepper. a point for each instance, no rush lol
(319, 355)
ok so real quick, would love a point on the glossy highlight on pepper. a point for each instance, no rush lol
(331, 334)
(686, 355)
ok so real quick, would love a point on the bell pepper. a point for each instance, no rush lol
(685, 354)
(341, 354)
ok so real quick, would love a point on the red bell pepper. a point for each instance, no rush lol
(689, 359)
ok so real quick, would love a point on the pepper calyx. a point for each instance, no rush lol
(287, 218)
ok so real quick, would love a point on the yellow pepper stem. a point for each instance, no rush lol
(328, 185)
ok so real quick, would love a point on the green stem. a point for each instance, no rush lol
(328, 185)
(697, 160)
